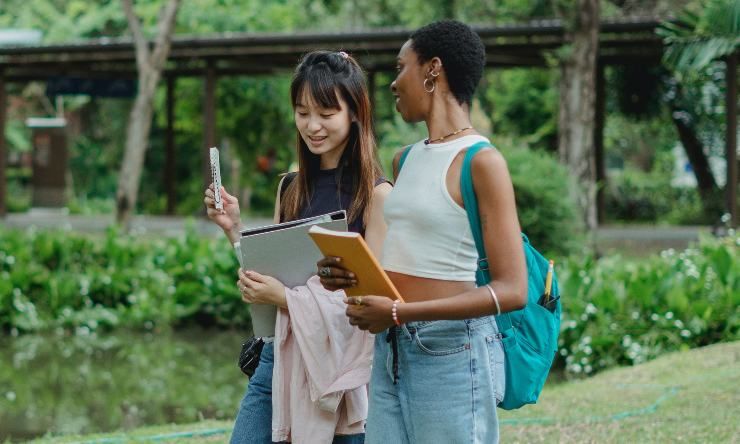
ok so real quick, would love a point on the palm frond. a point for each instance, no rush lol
(696, 39)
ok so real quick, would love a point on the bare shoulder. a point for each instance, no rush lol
(489, 160)
(489, 168)
(381, 190)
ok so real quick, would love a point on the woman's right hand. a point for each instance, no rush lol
(229, 218)
(333, 275)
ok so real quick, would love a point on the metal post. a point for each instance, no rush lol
(3, 151)
(170, 159)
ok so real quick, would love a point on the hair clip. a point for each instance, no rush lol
(343, 54)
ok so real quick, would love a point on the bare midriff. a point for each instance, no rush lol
(417, 289)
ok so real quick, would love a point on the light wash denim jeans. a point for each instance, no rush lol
(450, 379)
(254, 420)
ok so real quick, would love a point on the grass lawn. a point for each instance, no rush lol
(689, 396)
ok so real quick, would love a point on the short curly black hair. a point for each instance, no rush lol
(461, 51)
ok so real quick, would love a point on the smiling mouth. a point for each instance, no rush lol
(316, 139)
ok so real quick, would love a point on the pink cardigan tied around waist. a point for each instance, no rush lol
(322, 368)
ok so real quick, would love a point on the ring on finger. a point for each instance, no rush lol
(358, 300)
(325, 272)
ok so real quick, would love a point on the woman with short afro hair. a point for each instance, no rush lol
(438, 366)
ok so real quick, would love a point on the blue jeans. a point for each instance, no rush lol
(254, 420)
(450, 378)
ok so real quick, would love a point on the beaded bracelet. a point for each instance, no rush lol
(394, 313)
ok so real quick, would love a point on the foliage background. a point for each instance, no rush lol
(616, 311)
(255, 119)
(120, 282)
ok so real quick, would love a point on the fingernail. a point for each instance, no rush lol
(352, 275)
(338, 259)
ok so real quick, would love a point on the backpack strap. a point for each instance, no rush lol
(404, 155)
(482, 275)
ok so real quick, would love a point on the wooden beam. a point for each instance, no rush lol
(3, 150)
(731, 137)
(209, 120)
(599, 121)
(170, 162)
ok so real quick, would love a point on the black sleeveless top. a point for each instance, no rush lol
(330, 193)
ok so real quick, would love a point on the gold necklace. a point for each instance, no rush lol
(427, 141)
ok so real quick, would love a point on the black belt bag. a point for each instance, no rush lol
(249, 357)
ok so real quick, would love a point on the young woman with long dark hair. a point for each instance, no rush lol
(337, 169)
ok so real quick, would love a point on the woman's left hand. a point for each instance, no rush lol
(260, 289)
(371, 313)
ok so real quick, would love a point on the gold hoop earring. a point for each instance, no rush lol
(429, 90)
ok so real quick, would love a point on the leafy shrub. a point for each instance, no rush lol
(617, 311)
(621, 311)
(63, 279)
(639, 196)
(546, 212)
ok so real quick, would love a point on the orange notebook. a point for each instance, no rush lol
(357, 257)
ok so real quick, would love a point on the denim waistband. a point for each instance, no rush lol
(411, 327)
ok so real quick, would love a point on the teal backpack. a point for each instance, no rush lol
(529, 335)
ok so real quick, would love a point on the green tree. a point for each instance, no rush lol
(705, 31)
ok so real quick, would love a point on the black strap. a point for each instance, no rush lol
(282, 186)
(393, 339)
(288, 178)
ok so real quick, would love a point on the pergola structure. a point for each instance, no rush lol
(625, 41)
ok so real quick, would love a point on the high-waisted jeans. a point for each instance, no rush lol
(450, 377)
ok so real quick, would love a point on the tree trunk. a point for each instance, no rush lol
(577, 105)
(705, 183)
(695, 153)
(150, 65)
(137, 138)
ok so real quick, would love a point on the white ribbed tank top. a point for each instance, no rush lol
(428, 232)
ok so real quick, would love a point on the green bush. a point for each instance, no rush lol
(616, 311)
(647, 197)
(546, 212)
(619, 311)
(63, 279)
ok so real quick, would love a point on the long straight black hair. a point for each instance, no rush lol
(325, 75)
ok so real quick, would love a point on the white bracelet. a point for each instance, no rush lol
(495, 299)
(394, 313)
